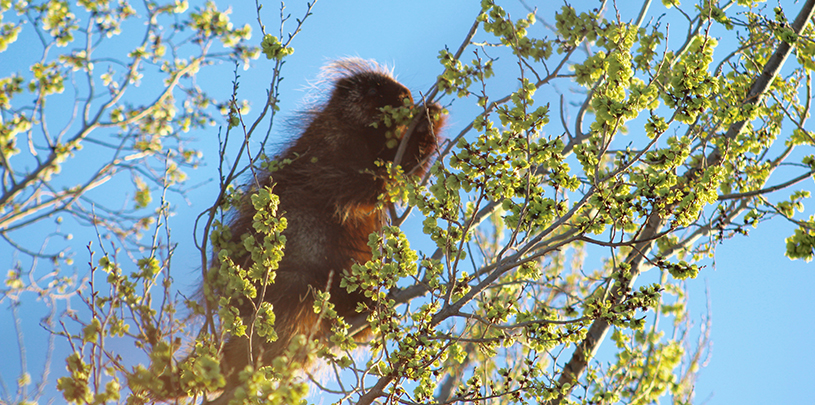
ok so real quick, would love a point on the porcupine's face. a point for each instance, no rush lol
(366, 99)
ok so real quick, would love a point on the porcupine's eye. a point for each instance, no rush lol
(373, 90)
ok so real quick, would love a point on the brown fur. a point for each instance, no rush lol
(328, 194)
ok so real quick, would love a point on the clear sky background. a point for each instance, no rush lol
(761, 302)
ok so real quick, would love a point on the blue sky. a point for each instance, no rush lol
(761, 302)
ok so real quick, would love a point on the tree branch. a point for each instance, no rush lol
(586, 350)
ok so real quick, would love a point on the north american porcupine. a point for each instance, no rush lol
(329, 192)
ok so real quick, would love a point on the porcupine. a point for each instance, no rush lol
(329, 191)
